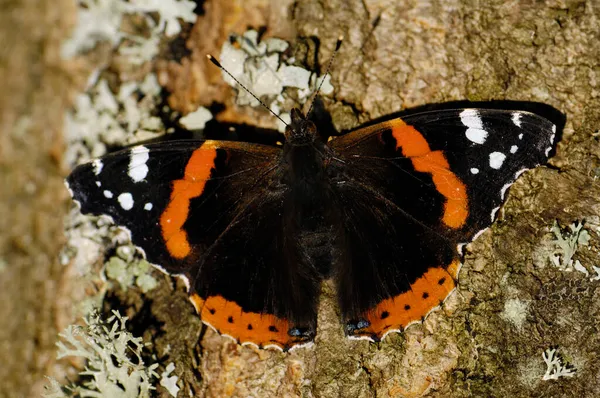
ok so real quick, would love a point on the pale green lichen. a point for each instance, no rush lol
(101, 20)
(128, 270)
(113, 361)
(101, 117)
(515, 312)
(597, 271)
(263, 68)
(556, 367)
(566, 245)
(169, 382)
(196, 120)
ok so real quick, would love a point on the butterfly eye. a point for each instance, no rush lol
(311, 129)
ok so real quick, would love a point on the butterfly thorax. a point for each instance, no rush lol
(307, 210)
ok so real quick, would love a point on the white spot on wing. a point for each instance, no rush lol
(475, 131)
(108, 194)
(470, 118)
(138, 170)
(148, 206)
(126, 201)
(521, 136)
(98, 184)
(474, 170)
(513, 149)
(477, 136)
(496, 160)
(516, 118)
(97, 165)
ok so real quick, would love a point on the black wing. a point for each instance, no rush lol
(208, 210)
(413, 190)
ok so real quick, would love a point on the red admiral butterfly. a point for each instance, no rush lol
(382, 210)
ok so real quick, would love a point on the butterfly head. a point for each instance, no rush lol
(300, 131)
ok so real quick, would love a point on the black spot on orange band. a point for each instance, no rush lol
(396, 313)
(228, 318)
(415, 146)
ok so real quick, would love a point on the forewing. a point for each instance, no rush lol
(173, 195)
(450, 169)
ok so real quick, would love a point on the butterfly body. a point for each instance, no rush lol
(383, 211)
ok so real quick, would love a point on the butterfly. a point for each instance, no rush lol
(254, 229)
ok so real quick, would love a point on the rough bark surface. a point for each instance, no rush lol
(34, 288)
(397, 54)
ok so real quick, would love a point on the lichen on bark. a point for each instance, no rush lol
(396, 55)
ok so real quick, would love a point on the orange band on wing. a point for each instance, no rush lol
(415, 147)
(246, 327)
(425, 294)
(197, 172)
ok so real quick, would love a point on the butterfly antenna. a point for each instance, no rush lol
(214, 61)
(338, 44)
